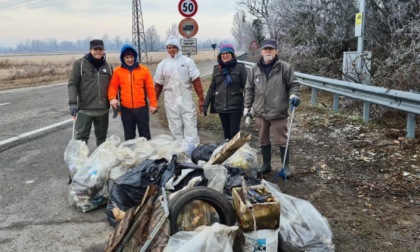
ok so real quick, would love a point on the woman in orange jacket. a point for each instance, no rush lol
(134, 84)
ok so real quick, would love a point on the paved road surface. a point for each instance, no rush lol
(34, 213)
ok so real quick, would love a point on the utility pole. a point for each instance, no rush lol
(139, 38)
(360, 38)
(359, 63)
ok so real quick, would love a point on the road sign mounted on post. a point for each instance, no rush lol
(187, 8)
(253, 45)
(189, 50)
(188, 27)
(189, 46)
(188, 42)
(358, 21)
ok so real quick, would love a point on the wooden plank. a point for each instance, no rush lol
(230, 147)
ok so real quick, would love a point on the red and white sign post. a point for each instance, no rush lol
(187, 8)
(253, 48)
(188, 27)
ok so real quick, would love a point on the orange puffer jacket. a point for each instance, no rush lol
(133, 86)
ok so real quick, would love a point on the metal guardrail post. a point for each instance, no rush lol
(401, 100)
(366, 111)
(411, 123)
(336, 100)
(314, 96)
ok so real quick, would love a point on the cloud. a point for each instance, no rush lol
(73, 20)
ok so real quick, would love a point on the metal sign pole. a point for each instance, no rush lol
(362, 8)
(360, 38)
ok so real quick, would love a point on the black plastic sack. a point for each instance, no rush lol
(234, 180)
(196, 172)
(128, 190)
(203, 152)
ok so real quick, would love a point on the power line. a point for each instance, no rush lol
(20, 5)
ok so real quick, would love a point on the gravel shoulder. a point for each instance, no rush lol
(365, 179)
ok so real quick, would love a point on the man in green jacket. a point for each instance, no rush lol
(270, 87)
(88, 93)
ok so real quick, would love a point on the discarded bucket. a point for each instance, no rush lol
(262, 240)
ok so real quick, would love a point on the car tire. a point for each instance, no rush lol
(212, 197)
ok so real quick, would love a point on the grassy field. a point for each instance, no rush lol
(40, 69)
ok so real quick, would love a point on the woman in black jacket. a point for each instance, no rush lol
(226, 90)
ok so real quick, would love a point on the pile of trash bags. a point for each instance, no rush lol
(90, 175)
(117, 173)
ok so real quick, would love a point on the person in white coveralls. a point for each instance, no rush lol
(175, 76)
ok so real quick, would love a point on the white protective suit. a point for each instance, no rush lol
(176, 75)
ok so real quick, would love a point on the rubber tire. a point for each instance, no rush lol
(214, 198)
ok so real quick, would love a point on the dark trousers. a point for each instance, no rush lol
(231, 123)
(84, 124)
(135, 117)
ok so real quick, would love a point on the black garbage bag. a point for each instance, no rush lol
(182, 178)
(128, 190)
(234, 180)
(170, 171)
(203, 152)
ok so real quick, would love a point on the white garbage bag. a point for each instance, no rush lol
(301, 225)
(217, 237)
(75, 155)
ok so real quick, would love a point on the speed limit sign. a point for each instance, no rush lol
(187, 8)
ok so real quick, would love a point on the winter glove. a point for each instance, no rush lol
(158, 90)
(73, 110)
(294, 100)
(200, 93)
(246, 112)
(204, 109)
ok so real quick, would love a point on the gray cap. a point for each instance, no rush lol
(269, 43)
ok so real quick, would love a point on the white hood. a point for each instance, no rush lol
(174, 41)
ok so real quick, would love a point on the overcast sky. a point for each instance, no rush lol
(73, 20)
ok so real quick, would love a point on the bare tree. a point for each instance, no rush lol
(117, 42)
(242, 30)
(172, 30)
(106, 40)
(237, 29)
(152, 38)
(313, 35)
(262, 10)
(394, 35)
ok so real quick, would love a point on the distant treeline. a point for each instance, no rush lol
(53, 45)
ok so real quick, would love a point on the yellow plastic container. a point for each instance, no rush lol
(267, 214)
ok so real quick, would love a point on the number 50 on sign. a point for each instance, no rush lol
(187, 8)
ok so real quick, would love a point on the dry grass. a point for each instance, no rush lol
(32, 70)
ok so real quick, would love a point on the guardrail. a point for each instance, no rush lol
(401, 100)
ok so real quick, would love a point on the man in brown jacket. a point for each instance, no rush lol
(270, 87)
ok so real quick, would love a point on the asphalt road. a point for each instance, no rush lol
(35, 214)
